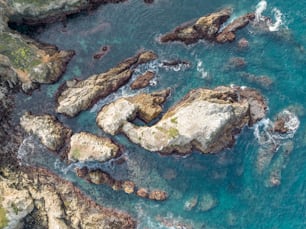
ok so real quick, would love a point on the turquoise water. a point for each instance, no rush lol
(234, 180)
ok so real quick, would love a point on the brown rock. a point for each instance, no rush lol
(243, 43)
(228, 33)
(128, 187)
(142, 192)
(142, 80)
(157, 195)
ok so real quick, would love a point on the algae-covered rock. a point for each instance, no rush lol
(76, 96)
(47, 128)
(206, 120)
(89, 147)
(146, 106)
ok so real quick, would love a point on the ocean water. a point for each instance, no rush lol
(247, 186)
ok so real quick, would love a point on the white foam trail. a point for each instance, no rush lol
(261, 7)
(201, 69)
(278, 20)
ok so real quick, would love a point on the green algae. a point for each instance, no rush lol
(3, 218)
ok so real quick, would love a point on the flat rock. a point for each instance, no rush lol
(146, 106)
(89, 147)
(76, 96)
(47, 128)
(206, 27)
(142, 81)
(206, 120)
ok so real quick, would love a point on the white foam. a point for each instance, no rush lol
(201, 69)
(278, 20)
(261, 7)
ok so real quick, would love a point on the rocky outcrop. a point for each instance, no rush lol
(208, 28)
(76, 96)
(146, 106)
(142, 80)
(47, 128)
(97, 176)
(228, 33)
(206, 120)
(38, 197)
(88, 147)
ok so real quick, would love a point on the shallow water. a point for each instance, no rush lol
(236, 180)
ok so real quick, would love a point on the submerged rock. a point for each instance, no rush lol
(57, 203)
(146, 106)
(89, 147)
(47, 128)
(207, 202)
(142, 80)
(206, 27)
(206, 120)
(76, 96)
(263, 81)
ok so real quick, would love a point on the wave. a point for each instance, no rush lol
(261, 7)
(201, 69)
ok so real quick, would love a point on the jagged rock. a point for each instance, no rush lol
(76, 96)
(206, 27)
(47, 128)
(157, 195)
(228, 33)
(145, 106)
(89, 147)
(60, 204)
(142, 80)
(206, 120)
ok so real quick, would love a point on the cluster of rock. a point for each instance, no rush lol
(208, 28)
(97, 176)
(206, 120)
(39, 199)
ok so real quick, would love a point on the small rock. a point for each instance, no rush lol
(157, 195)
(191, 203)
(142, 192)
(142, 80)
(128, 187)
(207, 202)
(243, 43)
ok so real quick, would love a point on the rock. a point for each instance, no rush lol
(286, 122)
(175, 65)
(149, 1)
(228, 33)
(47, 128)
(33, 63)
(263, 81)
(206, 27)
(142, 192)
(145, 106)
(76, 96)
(235, 62)
(142, 80)
(157, 195)
(128, 187)
(243, 43)
(206, 120)
(102, 52)
(207, 202)
(89, 147)
(38, 198)
(191, 203)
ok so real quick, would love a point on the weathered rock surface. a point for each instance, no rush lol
(142, 80)
(76, 96)
(38, 192)
(97, 176)
(47, 128)
(206, 27)
(206, 120)
(88, 147)
(146, 106)
(228, 33)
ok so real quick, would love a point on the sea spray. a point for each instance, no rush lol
(261, 7)
(278, 20)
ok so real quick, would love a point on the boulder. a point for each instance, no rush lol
(157, 195)
(146, 106)
(76, 96)
(47, 128)
(89, 147)
(206, 120)
(142, 81)
(206, 27)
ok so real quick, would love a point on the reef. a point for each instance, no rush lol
(208, 28)
(76, 96)
(205, 120)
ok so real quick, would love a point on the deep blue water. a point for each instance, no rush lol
(242, 194)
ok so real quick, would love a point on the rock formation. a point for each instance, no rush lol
(47, 128)
(36, 197)
(142, 80)
(146, 106)
(208, 28)
(76, 96)
(88, 147)
(206, 120)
